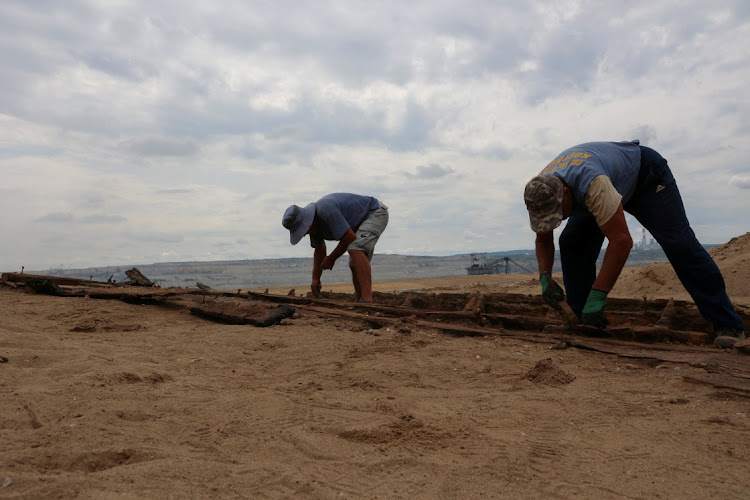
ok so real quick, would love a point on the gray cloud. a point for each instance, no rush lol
(151, 237)
(103, 219)
(430, 172)
(118, 65)
(155, 146)
(28, 150)
(179, 191)
(56, 217)
(740, 181)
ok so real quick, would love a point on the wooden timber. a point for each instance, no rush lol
(58, 280)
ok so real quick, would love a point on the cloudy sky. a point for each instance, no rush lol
(134, 132)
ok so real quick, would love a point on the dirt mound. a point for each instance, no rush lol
(545, 372)
(660, 281)
(733, 258)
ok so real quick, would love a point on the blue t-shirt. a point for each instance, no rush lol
(337, 212)
(577, 166)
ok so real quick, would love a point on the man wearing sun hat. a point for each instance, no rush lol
(592, 185)
(355, 221)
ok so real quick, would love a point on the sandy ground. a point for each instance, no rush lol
(103, 399)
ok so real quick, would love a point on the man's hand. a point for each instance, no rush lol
(348, 237)
(593, 311)
(315, 287)
(552, 293)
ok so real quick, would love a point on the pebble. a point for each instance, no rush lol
(561, 345)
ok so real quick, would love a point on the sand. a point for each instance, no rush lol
(660, 281)
(102, 399)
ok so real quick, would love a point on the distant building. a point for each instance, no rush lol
(646, 243)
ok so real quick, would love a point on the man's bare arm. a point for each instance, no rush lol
(318, 257)
(545, 252)
(620, 242)
(344, 242)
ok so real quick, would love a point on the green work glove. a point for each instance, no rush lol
(593, 311)
(552, 293)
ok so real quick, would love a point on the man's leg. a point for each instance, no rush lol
(355, 282)
(662, 213)
(361, 275)
(580, 244)
(361, 251)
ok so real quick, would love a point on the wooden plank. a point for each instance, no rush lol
(58, 280)
(255, 313)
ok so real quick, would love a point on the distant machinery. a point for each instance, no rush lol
(479, 265)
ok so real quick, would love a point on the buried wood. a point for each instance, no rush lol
(241, 311)
(136, 279)
(58, 280)
(658, 333)
(633, 320)
(45, 287)
(243, 314)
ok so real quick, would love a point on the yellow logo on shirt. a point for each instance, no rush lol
(564, 161)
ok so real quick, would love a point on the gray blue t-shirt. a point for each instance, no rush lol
(338, 212)
(579, 165)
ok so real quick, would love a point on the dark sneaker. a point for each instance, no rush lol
(726, 337)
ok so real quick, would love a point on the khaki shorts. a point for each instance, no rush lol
(369, 232)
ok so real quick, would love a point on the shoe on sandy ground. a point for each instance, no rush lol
(726, 337)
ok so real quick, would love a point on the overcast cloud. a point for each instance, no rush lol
(141, 132)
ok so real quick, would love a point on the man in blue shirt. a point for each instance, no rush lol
(355, 221)
(592, 185)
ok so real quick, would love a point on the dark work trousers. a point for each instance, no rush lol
(657, 205)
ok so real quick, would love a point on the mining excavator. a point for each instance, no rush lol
(479, 265)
